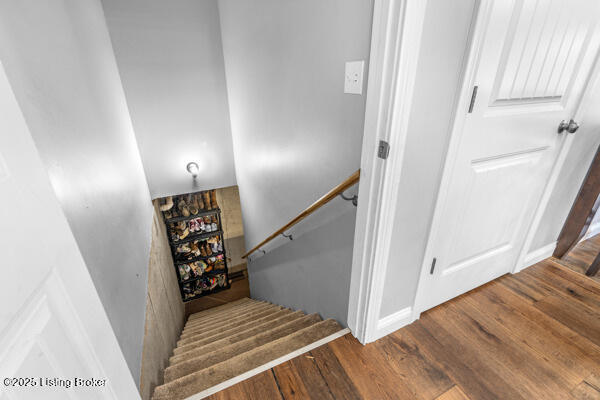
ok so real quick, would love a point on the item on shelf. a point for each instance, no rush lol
(182, 230)
(202, 250)
(213, 224)
(182, 273)
(209, 266)
(206, 199)
(167, 205)
(213, 243)
(200, 202)
(183, 208)
(183, 249)
(207, 223)
(202, 266)
(213, 199)
(194, 209)
(203, 285)
(195, 249)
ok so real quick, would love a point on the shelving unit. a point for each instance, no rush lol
(208, 273)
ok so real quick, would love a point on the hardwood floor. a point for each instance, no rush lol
(533, 335)
(582, 256)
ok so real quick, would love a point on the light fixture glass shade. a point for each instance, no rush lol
(193, 169)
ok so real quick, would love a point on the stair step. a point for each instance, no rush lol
(220, 354)
(188, 385)
(225, 312)
(201, 314)
(200, 349)
(231, 325)
(212, 323)
(231, 332)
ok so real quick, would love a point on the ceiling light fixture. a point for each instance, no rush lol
(193, 169)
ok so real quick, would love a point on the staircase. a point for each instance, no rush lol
(224, 342)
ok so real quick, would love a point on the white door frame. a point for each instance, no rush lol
(395, 45)
(523, 260)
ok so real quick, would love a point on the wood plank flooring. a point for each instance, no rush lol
(533, 335)
(582, 256)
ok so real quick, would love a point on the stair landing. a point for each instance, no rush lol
(224, 345)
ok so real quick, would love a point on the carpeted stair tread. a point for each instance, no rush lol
(227, 306)
(220, 354)
(201, 349)
(227, 327)
(231, 332)
(211, 324)
(188, 385)
(225, 313)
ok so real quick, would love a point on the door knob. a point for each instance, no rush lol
(570, 126)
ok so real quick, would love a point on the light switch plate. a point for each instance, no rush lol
(353, 77)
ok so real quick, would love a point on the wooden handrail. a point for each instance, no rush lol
(350, 181)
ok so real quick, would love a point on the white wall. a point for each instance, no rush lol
(61, 66)
(170, 57)
(295, 135)
(443, 46)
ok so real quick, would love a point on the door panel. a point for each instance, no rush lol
(546, 46)
(533, 64)
(494, 185)
(47, 340)
(52, 323)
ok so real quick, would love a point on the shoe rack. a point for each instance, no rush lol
(195, 236)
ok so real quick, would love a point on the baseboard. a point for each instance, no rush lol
(538, 255)
(267, 366)
(391, 323)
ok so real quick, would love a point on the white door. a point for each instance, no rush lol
(532, 60)
(53, 328)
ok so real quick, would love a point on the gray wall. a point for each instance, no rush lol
(295, 135)
(165, 312)
(60, 62)
(171, 62)
(579, 158)
(312, 272)
(444, 42)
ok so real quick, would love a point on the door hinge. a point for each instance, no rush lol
(432, 266)
(383, 150)
(473, 97)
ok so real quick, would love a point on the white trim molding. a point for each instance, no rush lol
(546, 251)
(395, 45)
(393, 322)
(538, 255)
